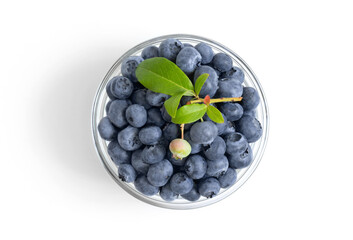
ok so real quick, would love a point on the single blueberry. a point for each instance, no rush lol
(205, 51)
(109, 93)
(153, 154)
(129, 66)
(176, 162)
(250, 127)
(195, 166)
(170, 48)
(180, 183)
(142, 185)
(216, 149)
(236, 143)
(187, 45)
(209, 187)
(216, 168)
(121, 87)
(118, 154)
(222, 62)
(127, 173)
(211, 85)
(137, 162)
(165, 115)
(167, 194)
(235, 73)
(154, 117)
(150, 135)
(251, 113)
(106, 129)
(195, 147)
(240, 159)
(159, 173)
(220, 126)
(228, 179)
(107, 106)
(156, 99)
(171, 131)
(230, 128)
(116, 113)
(150, 52)
(193, 195)
(128, 139)
(188, 59)
(139, 97)
(250, 99)
(229, 87)
(136, 115)
(203, 132)
(233, 111)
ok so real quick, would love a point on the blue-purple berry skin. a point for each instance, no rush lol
(170, 48)
(136, 115)
(251, 98)
(188, 59)
(118, 154)
(233, 111)
(220, 126)
(228, 87)
(107, 106)
(236, 143)
(203, 132)
(156, 99)
(216, 168)
(241, 159)
(165, 115)
(144, 186)
(174, 161)
(222, 62)
(159, 173)
(128, 138)
(139, 97)
(228, 179)
(137, 162)
(108, 91)
(209, 187)
(150, 135)
(195, 147)
(211, 85)
(235, 73)
(129, 65)
(150, 52)
(167, 194)
(116, 113)
(153, 154)
(154, 117)
(181, 183)
(171, 131)
(206, 52)
(250, 127)
(107, 130)
(193, 195)
(195, 166)
(127, 173)
(216, 149)
(121, 87)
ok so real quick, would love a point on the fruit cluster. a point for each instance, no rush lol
(140, 129)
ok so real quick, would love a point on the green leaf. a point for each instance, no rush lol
(163, 76)
(214, 114)
(171, 105)
(189, 113)
(200, 81)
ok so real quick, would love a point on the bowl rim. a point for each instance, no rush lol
(189, 205)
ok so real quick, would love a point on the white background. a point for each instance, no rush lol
(53, 55)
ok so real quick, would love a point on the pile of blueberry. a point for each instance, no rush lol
(140, 129)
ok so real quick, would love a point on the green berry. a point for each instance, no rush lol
(180, 148)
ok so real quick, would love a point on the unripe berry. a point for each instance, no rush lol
(180, 148)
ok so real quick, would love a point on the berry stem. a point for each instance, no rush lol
(182, 130)
(217, 100)
(201, 119)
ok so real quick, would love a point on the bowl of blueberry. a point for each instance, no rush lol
(180, 121)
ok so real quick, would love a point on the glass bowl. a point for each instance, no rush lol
(98, 112)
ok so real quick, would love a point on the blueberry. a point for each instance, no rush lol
(176, 162)
(216, 168)
(170, 48)
(180, 183)
(228, 179)
(250, 127)
(203, 132)
(220, 126)
(230, 128)
(193, 195)
(153, 154)
(150, 52)
(240, 159)
(106, 129)
(211, 85)
(128, 139)
(216, 149)
(150, 135)
(142, 185)
(233, 111)
(250, 99)
(129, 66)
(118, 154)
(209, 187)
(195, 166)
(195, 147)
(235, 73)
(187, 45)
(251, 113)
(109, 93)
(116, 113)
(236, 143)
(126, 173)
(165, 115)
(222, 62)
(171, 131)
(159, 173)
(137, 162)
(139, 97)
(136, 115)
(167, 194)
(205, 51)
(188, 59)
(187, 126)
(121, 87)
(229, 87)
(164, 142)
(156, 99)
(154, 117)
(107, 106)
